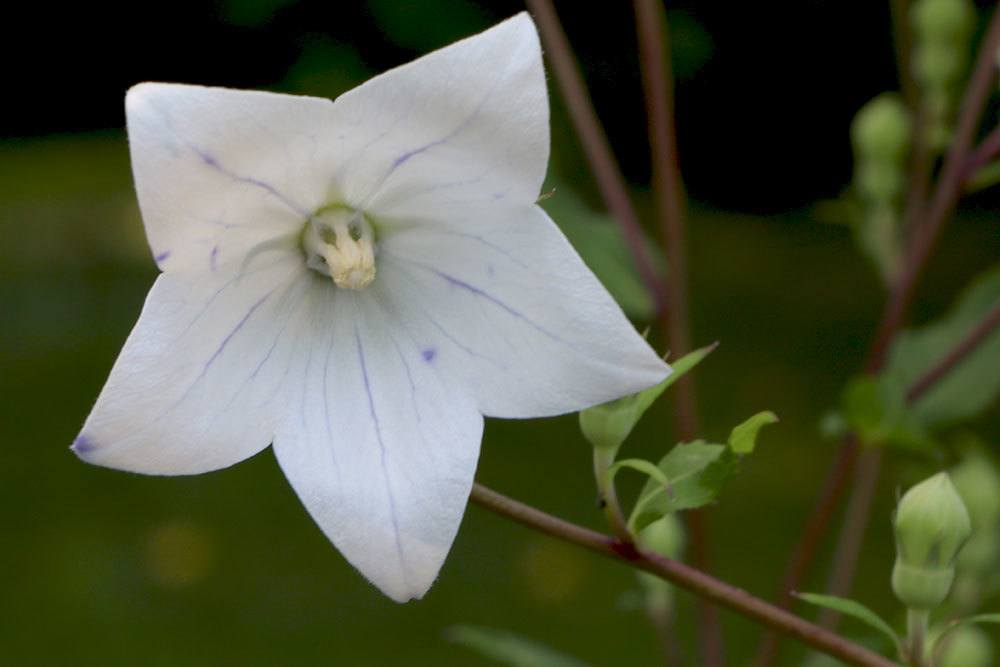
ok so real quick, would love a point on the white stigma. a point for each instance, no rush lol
(340, 243)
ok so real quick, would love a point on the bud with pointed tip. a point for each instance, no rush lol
(931, 525)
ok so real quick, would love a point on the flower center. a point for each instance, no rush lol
(339, 242)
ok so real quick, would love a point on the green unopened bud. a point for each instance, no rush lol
(664, 536)
(978, 483)
(967, 646)
(881, 129)
(949, 21)
(939, 65)
(931, 525)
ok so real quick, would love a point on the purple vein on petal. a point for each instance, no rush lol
(235, 330)
(409, 378)
(381, 445)
(211, 161)
(457, 282)
(161, 257)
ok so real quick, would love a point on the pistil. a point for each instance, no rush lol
(340, 243)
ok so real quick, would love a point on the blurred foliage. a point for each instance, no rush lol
(974, 384)
(106, 568)
(509, 649)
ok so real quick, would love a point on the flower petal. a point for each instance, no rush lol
(196, 386)
(380, 448)
(498, 297)
(219, 171)
(469, 122)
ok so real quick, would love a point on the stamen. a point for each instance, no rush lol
(340, 243)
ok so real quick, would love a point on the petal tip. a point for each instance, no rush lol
(82, 446)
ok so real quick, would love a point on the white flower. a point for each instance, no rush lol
(357, 283)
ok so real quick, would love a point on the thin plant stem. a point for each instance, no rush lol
(917, 621)
(663, 624)
(864, 489)
(985, 152)
(596, 147)
(852, 534)
(608, 495)
(956, 356)
(926, 233)
(668, 193)
(683, 576)
(953, 175)
(862, 496)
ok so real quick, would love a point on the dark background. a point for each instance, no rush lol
(103, 567)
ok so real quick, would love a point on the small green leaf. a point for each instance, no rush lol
(875, 409)
(685, 468)
(508, 648)
(607, 426)
(696, 473)
(743, 439)
(971, 386)
(853, 609)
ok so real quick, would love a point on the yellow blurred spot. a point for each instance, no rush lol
(179, 553)
(553, 572)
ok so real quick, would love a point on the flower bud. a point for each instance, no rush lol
(943, 21)
(931, 525)
(967, 646)
(881, 130)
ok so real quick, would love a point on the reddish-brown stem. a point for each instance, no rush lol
(959, 165)
(683, 576)
(852, 534)
(595, 143)
(925, 235)
(953, 174)
(956, 356)
(927, 232)
(668, 192)
(985, 152)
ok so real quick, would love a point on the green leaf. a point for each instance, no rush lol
(695, 473)
(875, 409)
(607, 426)
(743, 439)
(508, 648)
(602, 247)
(853, 609)
(974, 384)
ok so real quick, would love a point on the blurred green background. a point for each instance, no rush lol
(104, 567)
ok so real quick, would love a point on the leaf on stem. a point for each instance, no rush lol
(696, 473)
(607, 426)
(855, 610)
